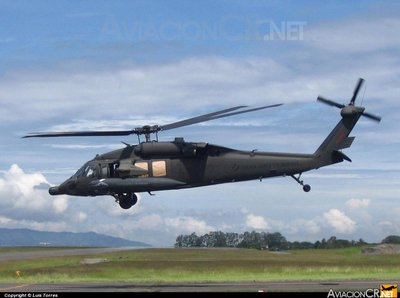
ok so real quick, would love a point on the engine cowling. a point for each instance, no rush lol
(178, 148)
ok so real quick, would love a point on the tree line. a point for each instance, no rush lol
(263, 240)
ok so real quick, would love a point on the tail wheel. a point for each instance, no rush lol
(306, 187)
(126, 201)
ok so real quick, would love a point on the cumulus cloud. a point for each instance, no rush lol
(23, 195)
(150, 222)
(339, 221)
(60, 204)
(187, 224)
(357, 203)
(312, 226)
(256, 222)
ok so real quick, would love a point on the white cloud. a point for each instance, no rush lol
(339, 221)
(256, 222)
(53, 226)
(19, 183)
(357, 203)
(81, 216)
(45, 225)
(355, 36)
(312, 226)
(187, 224)
(4, 220)
(22, 192)
(150, 222)
(60, 204)
(62, 95)
(145, 87)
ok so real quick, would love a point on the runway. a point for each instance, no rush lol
(120, 287)
(292, 286)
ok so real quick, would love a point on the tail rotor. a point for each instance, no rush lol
(351, 109)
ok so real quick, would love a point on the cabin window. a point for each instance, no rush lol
(159, 168)
(144, 166)
(104, 171)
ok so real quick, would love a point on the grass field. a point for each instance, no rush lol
(211, 265)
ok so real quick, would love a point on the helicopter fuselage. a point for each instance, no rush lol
(156, 166)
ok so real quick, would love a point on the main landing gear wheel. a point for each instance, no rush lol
(306, 187)
(126, 201)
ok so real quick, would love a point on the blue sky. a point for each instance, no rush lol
(118, 65)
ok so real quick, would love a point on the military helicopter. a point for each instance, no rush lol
(152, 165)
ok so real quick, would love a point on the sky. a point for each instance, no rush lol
(80, 65)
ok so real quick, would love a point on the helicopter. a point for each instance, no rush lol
(152, 165)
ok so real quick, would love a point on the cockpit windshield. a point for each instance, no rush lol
(87, 170)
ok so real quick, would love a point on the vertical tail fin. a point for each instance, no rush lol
(328, 152)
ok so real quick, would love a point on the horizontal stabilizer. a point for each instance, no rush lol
(339, 156)
(346, 143)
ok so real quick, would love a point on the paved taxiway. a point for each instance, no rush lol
(292, 286)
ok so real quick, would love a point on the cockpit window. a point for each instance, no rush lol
(86, 170)
(90, 172)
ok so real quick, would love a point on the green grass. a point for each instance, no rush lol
(211, 265)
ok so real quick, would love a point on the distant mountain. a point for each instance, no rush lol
(27, 237)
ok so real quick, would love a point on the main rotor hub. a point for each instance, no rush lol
(147, 130)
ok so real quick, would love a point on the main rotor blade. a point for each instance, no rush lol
(330, 102)
(358, 86)
(247, 111)
(198, 119)
(139, 131)
(213, 116)
(148, 129)
(79, 134)
(372, 116)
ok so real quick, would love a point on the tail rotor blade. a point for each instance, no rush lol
(372, 117)
(356, 90)
(330, 102)
(351, 109)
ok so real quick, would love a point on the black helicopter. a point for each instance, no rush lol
(152, 165)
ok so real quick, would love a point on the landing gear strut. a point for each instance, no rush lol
(125, 201)
(306, 187)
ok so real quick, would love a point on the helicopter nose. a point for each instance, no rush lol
(55, 190)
